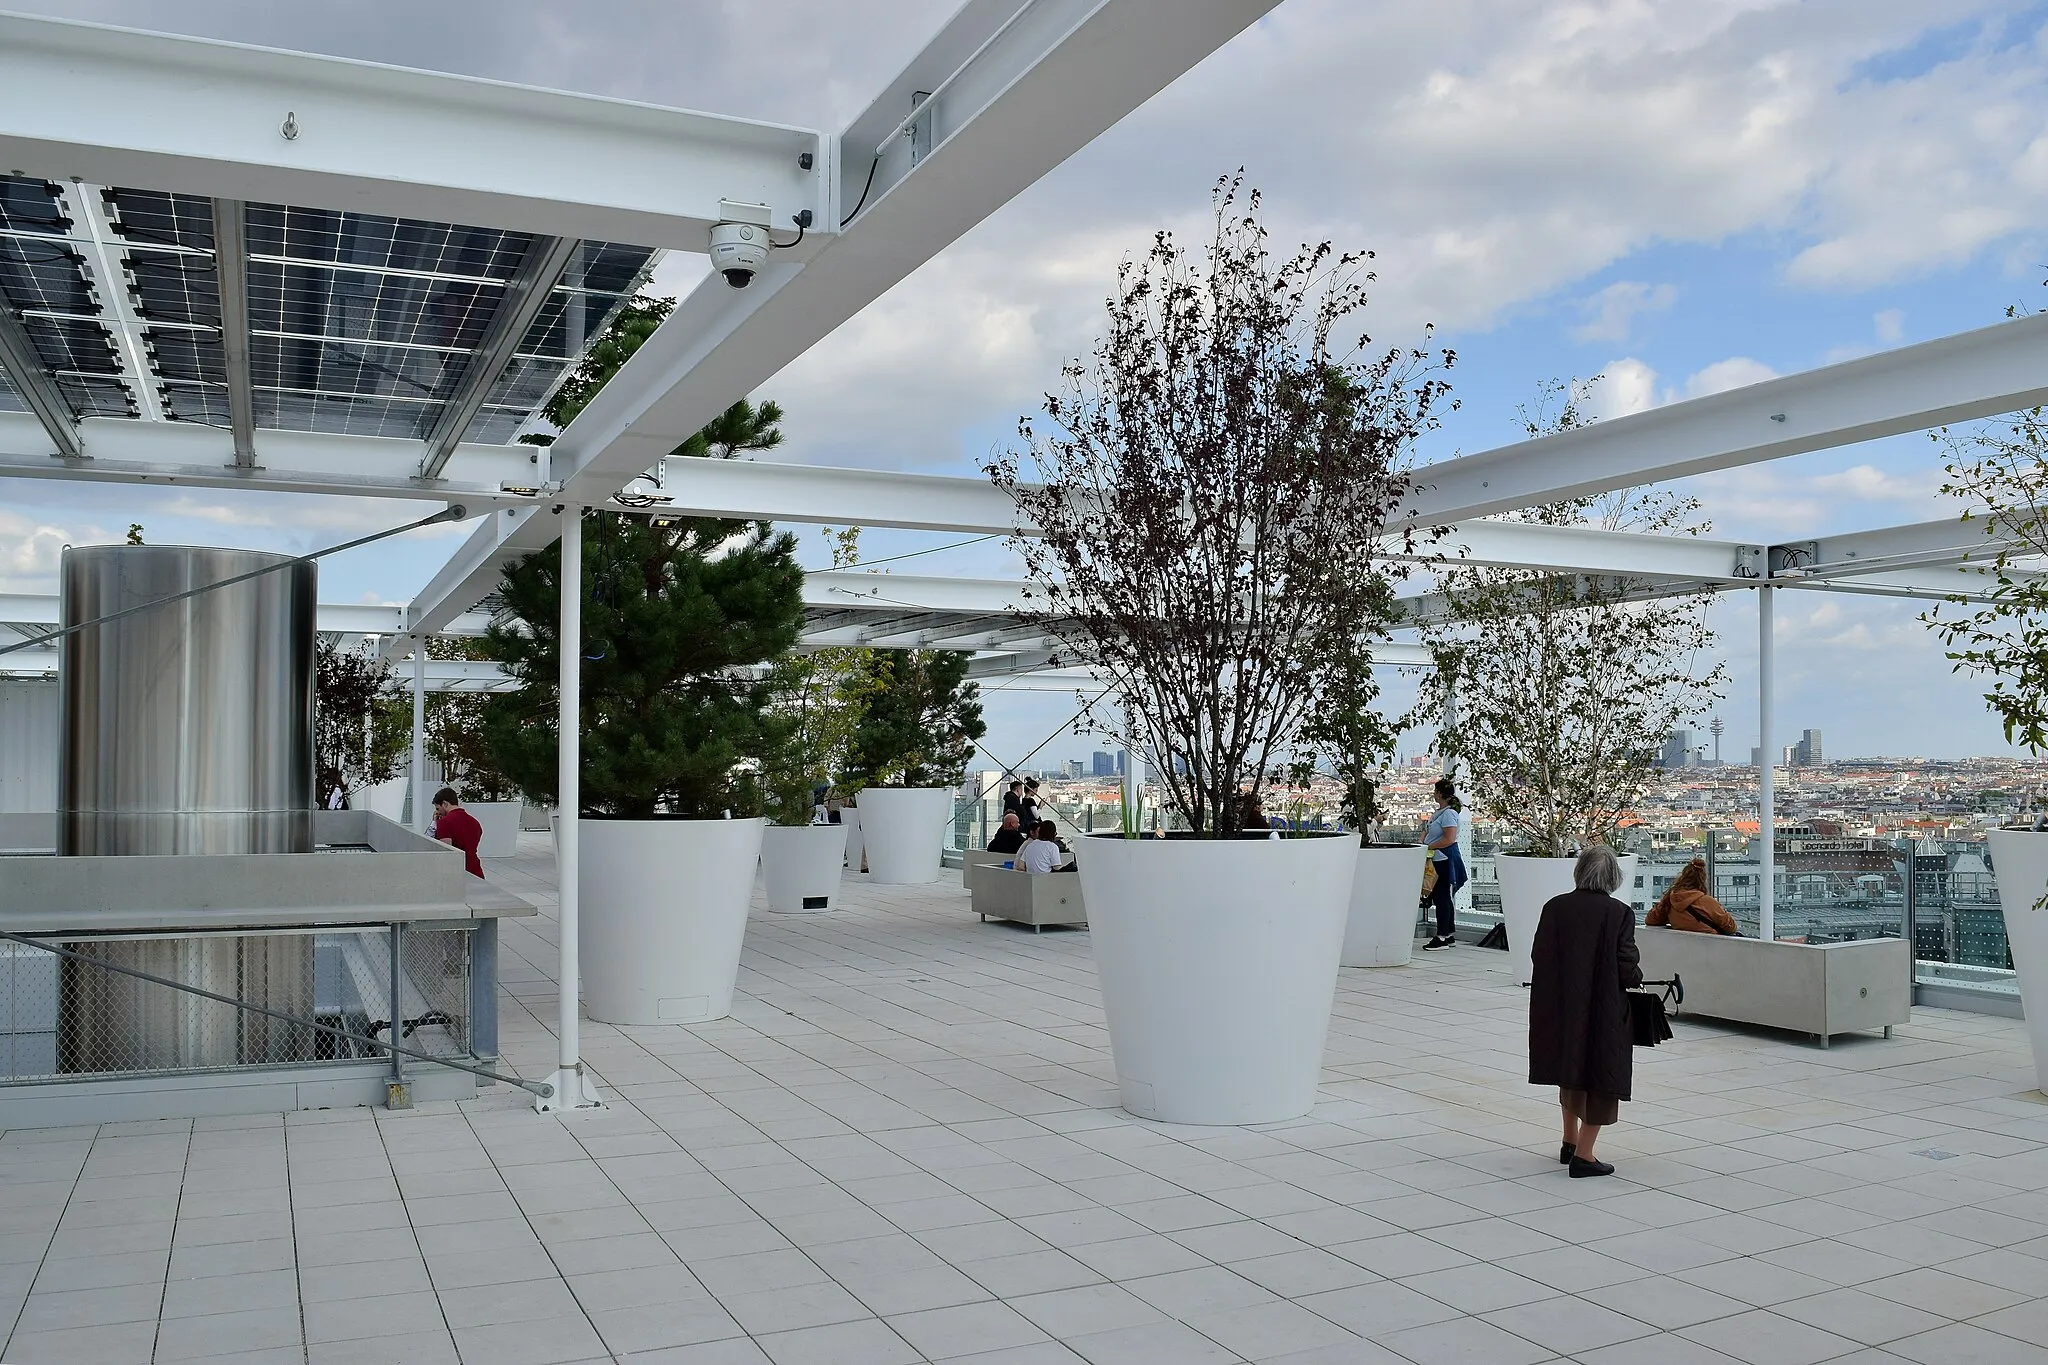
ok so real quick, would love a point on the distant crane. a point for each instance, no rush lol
(1714, 728)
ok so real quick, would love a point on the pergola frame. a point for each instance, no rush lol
(1003, 93)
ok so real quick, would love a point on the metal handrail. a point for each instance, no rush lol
(540, 1088)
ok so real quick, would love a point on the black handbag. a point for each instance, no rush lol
(1648, 1023)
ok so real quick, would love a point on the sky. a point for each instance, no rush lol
(1677, 196)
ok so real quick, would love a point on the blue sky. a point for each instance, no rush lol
(1680, 194)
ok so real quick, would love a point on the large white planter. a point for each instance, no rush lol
(386, 798)
(1528, 884)
(856, 848)
(664, 910)
(1217, 961)
(1380, 931)
(500, 820)
(2019, 858)
(801, 864)
(904, 830)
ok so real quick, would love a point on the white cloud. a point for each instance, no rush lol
(30, 548)
(1890, 326)
(1612, 312)
(1736, 372)
(1622, 387)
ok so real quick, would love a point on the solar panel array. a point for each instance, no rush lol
(358, 324)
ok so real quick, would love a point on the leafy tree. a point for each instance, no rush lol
(455, 736)
(1348, 732)
(362, 725)
(1558, 690)
(822, 695)
(920, 721)
(1210, 501)
(135, 533)
(2001, 630)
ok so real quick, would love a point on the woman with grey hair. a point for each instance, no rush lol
(1583, 962)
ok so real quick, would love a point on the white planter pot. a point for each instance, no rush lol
(1381, 929)
(2019, 857)
(856, 848)
(904, 830)
(1528, 884)
(386, 798)
(1218, 963)
(664, 911)
(801, 864)
(500, 820)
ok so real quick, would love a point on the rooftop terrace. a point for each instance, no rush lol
(905, 1145)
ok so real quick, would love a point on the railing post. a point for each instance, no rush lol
(1766, 772)
(397, 1094)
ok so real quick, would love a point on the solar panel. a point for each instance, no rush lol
(43, 278)
(358, 324)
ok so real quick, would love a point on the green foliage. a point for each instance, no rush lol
(920, 723)
(2001, 631)
(635, 321)
(455, 730)
(675, 617)
(822, 695)
(1558, 689)
(362, 722)
(135, 533)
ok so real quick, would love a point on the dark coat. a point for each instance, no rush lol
(1582, 961)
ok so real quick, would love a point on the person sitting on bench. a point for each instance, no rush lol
(1688, 907)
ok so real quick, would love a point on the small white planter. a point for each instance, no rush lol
(2019, 857)
(1528, 884)
(1217, 961)
(856, 848)
(500, 820)
(664, 911)
(1384, 894)
(904, 830)
(801, 865)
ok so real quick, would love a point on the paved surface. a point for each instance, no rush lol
(905, 1146)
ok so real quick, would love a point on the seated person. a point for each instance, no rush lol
(1043, 853)
(1687, 905)
(1009, 838)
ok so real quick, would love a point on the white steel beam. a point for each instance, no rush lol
(1017, 93)
(189, 454)
(118, 107)
(231, 275)
(337, 618)
(526, 293)
(1959, 378)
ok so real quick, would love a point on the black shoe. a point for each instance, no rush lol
(1436, 942)
(1585, 1170)
(1565, 1152)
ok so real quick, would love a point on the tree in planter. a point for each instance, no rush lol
(673, 619)
(1211, 499)
(1348, 732)
(675, 616)
(361, 728)
(822, 696)
(919, 723)
(1558, 690)
(2001, 631)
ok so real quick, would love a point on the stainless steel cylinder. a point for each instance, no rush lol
(187, 727)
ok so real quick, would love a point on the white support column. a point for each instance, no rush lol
(572, 1089)
(1454, 770)
(1766, 772)
(421, 819)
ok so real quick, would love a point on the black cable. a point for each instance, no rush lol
(801, 225)
(872, 167)
(913, 554)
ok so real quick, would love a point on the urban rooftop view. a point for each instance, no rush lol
(1023, 682)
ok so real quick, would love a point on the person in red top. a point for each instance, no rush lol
(454, 825)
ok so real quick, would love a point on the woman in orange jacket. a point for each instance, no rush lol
(1687, 905)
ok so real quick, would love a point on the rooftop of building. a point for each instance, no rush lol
(905, 1145)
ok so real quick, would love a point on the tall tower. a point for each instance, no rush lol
(1714, 728)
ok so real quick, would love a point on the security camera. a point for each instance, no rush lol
(738, 250)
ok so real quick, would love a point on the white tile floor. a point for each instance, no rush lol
(905, 1146)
